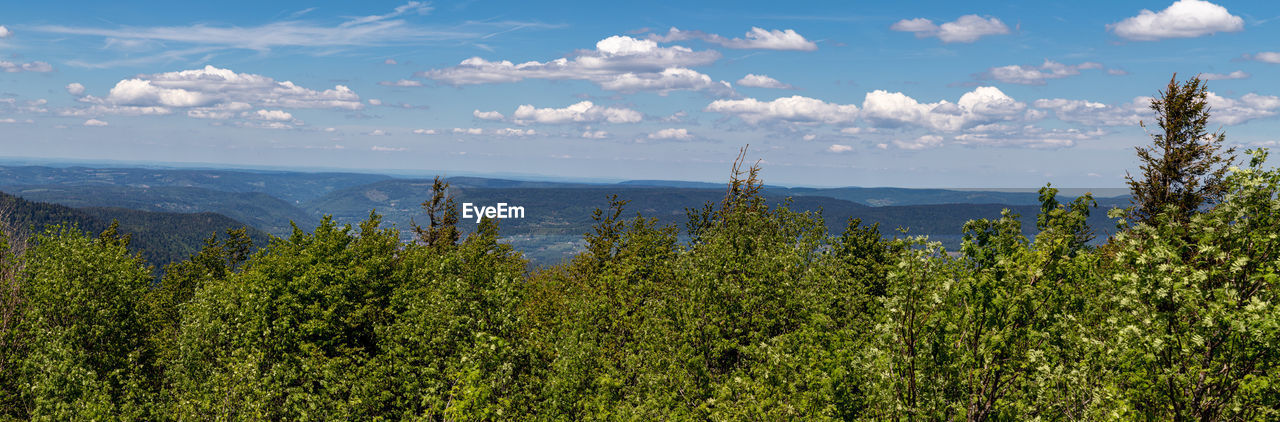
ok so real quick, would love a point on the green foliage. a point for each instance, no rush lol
(760, 314)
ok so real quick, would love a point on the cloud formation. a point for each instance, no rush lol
(672, 134)
(487, 115)
(983, 105)
(37, 67)
(1090, 113)
(75, 88)
(966, 29)
(618, 63)
(95, 123)
(756, 39)
(794, 109)
(762, 81)
(1035, 75)
(582, 112)
(1182, 19)
(1239, 74)
(211, 91)
(1265, 57)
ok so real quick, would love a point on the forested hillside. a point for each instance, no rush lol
(160, 237)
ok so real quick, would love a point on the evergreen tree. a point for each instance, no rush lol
(1185, 166)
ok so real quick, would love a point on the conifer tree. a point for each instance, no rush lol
(1185, 166)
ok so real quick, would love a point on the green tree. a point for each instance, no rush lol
(1185, 166)
(84, 327)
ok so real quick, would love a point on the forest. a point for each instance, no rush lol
(750, 311)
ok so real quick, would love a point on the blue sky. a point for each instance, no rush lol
(917, 94)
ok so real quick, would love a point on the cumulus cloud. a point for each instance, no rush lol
(424, 131)
(272, 115)
(1182, 19)
(377, 132)
(582, 112)
(795, 109)
(95, 123)
(983, 105)
(404, 83)
(380, 148)
(75, 88)
(5, 32)
(839, 149)
(1239, 74)
(966, 29)
(210, 91)
(598, 134)
(468, 131)
(1248, 107)
(618, 63)
(1035, 75)
(1092, 113)
(762, 81)
(671, 134)
(487, 115)
(389, 61)
(38, 67)
(1265, 57)
(756, 38)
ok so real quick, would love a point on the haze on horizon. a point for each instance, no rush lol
(980, 94)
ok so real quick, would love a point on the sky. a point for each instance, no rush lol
(912, 94)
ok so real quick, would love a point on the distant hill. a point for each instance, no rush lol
(292, 187)
(254, 208)
(161, 237)
(567, 211)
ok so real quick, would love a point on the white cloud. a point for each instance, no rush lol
(424, 131)
(487, 115)
(671, 134)
(1239, 74)
(1117, 72)
(220, 111)
(209, 91)
(1091, 113)
(1027, 136)
(923, 142)
(95, 123)
(839, 149)
(966, 29)
(756, 38)
(468, 131)
(796, 109)
(1248, 107)
(212, 85)
(380, 148)
(38, 67)
(389, 61)
(981, 106)
(582, 112)
(375, 102)
(1033, 75)
(377, 132)
(618, 63)
(75, 88)
(809, 137)
(762, 81)
(404, 83)
(377, 30)
(5, 32)
(1182, 19)
(671, 79)
(330, 129)
(1265, 57)
(599, 134)
(272, 115)
(514, 132)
